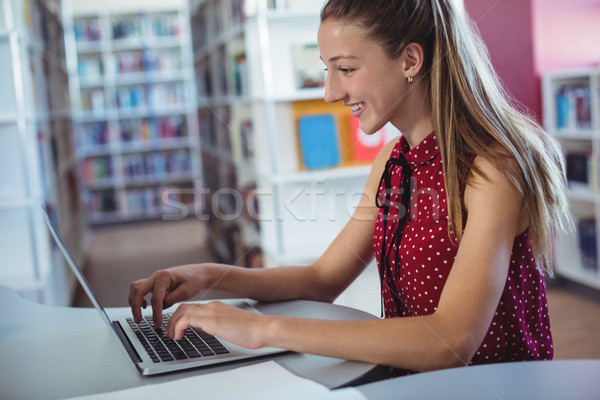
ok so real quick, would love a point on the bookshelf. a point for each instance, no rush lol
(37, 161)
(134, 96)
(571, 109)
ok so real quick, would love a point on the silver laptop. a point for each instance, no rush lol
(148, 349)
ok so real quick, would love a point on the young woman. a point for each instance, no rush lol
(460, 211)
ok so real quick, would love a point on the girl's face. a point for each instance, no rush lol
(361, 75)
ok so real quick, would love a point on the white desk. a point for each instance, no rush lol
(68, 365)
(543, 380)
(78, 355)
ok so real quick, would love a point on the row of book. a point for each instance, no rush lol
(153, 130)
(153, 96)
(147, 165)
(573, 108)
(130, 62)
(138, 202)
(143, 130)
(128, 26)
(156, 164)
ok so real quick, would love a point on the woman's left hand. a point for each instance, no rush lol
(233, 324)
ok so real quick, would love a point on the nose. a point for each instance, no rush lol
(333, 89)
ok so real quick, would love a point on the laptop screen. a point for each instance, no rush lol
(76, 270)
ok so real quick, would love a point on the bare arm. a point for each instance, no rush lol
(449, 337)
(324, 280)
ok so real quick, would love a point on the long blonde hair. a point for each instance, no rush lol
(471, 112)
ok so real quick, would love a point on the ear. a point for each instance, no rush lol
(413, 57)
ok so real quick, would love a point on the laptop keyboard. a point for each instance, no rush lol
(196, 343)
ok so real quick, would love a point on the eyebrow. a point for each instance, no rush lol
(336, 58)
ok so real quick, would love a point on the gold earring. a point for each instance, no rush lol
(410, 80)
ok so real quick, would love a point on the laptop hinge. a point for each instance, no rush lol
(133, 354)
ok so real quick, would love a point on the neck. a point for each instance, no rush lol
(417, 131)
(414, 120)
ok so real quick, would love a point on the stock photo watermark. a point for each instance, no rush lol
(316, 202)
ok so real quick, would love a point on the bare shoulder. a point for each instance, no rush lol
(491, 191)
(485, 173)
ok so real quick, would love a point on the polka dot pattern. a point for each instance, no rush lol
(520, 329)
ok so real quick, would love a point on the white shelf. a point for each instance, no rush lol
(36, 156)
(571, 104)
(323, 175)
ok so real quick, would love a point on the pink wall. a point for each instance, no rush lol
(528, 37)
(566, 33)
(505, 26)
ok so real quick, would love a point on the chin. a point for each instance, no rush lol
(370, 129)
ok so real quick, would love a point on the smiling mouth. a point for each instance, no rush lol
(356, 107)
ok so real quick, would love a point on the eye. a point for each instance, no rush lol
(346, 71)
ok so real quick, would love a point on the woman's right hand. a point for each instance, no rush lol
(168, 286)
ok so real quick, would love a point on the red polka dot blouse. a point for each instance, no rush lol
(424, 253)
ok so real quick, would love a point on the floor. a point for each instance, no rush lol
(123, 253)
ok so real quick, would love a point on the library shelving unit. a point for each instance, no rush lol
(134, 96)
(226, 128)
(37, 163)
(571, 109)
(255, 62)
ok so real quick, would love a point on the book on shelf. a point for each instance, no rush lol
(156, 60)
(309, 71)
(573, 108)
(165, 25)
(588, 243)
(126, 28)
(92, 136)
(156, 164)
(240, 82)
(319, 141)
(128, 62)
(86, 30)
(90, 68)
(94, 169)
(365, 147)
(581, 170)
(152, 130)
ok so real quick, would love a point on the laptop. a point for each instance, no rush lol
(148, 349)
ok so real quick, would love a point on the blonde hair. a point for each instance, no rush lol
(471, 112)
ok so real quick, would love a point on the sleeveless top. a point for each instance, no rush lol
(420, 261)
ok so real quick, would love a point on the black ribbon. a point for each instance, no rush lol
(385, 268)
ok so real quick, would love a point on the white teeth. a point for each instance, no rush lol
(356, 107)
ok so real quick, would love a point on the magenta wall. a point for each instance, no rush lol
(566, 33)
(506, 28)
(528, 37)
